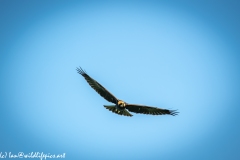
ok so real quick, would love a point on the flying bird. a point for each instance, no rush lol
(121, 107)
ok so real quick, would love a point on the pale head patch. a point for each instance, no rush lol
(121, 103)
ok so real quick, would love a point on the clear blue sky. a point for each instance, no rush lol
(180, 55)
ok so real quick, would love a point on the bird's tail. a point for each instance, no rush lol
(114, 109)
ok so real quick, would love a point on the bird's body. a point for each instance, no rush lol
(120, 106)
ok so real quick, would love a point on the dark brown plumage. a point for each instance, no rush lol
(98, 87)
(149, 110)
(120, 106)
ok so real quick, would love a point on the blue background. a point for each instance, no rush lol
(171, 54)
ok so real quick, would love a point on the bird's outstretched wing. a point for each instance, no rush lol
(149, 110)
(98, 87)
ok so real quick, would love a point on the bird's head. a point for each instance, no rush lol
(121, 103)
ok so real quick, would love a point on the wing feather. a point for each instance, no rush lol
(149, 110)
(98, 87)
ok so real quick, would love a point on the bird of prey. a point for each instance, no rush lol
(120, 106)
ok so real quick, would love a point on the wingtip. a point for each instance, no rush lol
(173, 112)
(80, 70)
